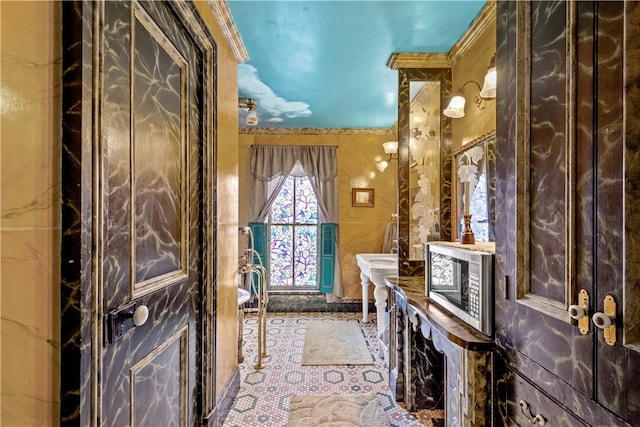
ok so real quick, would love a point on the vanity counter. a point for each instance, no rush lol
(454, 329)
(437, 361)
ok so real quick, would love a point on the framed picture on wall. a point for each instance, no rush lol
(363, 197)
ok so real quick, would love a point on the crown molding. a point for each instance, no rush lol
(477, 28)
(222, 14)
(418, 60)
(315, 131)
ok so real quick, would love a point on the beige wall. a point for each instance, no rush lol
(361, 229)
(473, 66)
(30, 212)
(227, 197)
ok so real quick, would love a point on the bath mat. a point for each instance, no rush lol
(335, 342)
(336, 410)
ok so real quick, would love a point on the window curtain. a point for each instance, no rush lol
(270, 167)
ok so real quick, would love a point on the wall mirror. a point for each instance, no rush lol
(473, 187)
(424, 164)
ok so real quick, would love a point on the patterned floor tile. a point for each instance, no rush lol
(264, 396)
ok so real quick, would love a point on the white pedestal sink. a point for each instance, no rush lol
(374, 268)
(243, 296)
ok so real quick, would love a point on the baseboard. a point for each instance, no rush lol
(224, 403)
(305, 303)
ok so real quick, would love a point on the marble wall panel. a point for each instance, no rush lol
(30, 318)
(76, 382)
(30, 70)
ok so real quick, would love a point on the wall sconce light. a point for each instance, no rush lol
(382, 165)
(249, 104)
(391, 150)
(455, 109)
(490, 80)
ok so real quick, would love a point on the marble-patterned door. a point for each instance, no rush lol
(567, 174)
(143, 312)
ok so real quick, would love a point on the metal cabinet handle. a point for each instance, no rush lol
(577, 312)
(580, 312)
(601, 320)
(537, 419)
(606, 320)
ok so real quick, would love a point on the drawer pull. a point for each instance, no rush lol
(537, 419)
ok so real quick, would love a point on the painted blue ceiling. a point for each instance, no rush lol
(323, 64)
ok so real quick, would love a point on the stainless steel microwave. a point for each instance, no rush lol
(461, 281)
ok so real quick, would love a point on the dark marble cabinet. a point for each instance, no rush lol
(435, 360)
(567, 178)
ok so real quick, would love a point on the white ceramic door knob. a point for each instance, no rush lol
(141, 315)
(601, 320)
(577, 312)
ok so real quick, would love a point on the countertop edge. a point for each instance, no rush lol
(412, 287)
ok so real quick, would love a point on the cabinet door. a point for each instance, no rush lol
(564, 180)
(543, 264)
(616, 198)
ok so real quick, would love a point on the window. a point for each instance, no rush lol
(293, 237)
(296, 236)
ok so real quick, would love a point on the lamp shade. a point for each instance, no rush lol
(390, 147)
(455, 109)
(252, 118)
(490, 79)
(489, 87)
(382, 165)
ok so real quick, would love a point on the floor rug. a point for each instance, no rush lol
(335, 342)
(336, 410)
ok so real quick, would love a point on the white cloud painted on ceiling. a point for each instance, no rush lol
(270, 104)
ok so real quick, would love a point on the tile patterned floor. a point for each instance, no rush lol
(263, 399)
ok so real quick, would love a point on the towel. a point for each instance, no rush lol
(390, 240)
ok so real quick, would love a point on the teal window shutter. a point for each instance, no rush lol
(327, 258)
(259, 231)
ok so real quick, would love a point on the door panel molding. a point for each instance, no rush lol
(557, 230)
(535, 125)
(142, 374)
(163, 237)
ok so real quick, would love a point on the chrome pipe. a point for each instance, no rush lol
(262, 314)
(262, 295)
